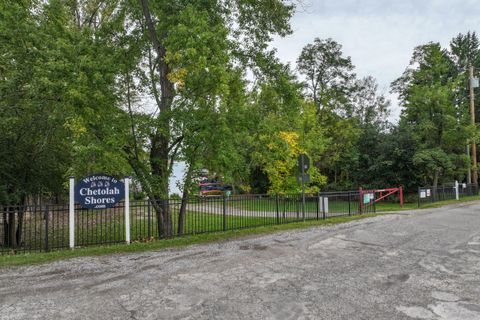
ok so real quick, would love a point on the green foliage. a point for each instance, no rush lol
(427, 90)
(33, 153)
(328, 74)
(97, 86)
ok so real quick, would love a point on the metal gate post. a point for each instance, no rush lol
(277, 213)
(149, 219)
(224, 213)
(46, 228)
(323, 207)
(349, 205)
(361, 199)
(401, 197)
(419, 197)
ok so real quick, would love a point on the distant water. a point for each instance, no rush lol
(177, 177)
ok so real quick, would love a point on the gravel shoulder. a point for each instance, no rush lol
(409, 265)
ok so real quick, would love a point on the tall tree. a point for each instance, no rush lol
(328, 73)
(369, 107)
(465, 50)
(426, 92)
(191, 50)
(58, 101)
(284, 127)
(33, 151)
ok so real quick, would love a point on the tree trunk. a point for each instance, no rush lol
(13, 224)
(159, 166)
(164, 219)
(160, 139)
(185, 194)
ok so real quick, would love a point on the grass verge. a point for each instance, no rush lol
(447, 202)
(44, 257)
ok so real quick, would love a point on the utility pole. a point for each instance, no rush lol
(472, 114)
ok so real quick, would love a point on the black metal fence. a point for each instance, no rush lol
(444, 192)
(36, 228)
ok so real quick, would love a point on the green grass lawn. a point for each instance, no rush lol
(95, 228)
(44, 257)
(448, 202)
(335, 205)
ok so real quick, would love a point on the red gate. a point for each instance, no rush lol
(383, 193)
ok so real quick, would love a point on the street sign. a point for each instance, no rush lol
(474, 82)
(303, 163)
(368, 197)
(99, 191)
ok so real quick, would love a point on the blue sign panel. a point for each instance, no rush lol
(99, 191)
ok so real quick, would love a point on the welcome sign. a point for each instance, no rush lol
(99, 191)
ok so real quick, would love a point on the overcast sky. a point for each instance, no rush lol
(379, 35)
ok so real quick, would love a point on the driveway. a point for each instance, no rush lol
(410, 265)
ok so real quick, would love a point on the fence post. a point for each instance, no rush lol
(318, 204)
(277, 209)
(419, 196)
(349, 205)
(361, 199)
(296, 206)
(127, 210)
(374, 202)
(401, 197)
(303, 205)
(323, 207)
(149, 219)
(456, 190)
(71, 214)
(224, 213)
(46, 228)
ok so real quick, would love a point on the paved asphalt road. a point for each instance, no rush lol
(414, 265)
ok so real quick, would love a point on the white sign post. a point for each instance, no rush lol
(71, 213)
(127, 210)
(324, 204)
(456, 190)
